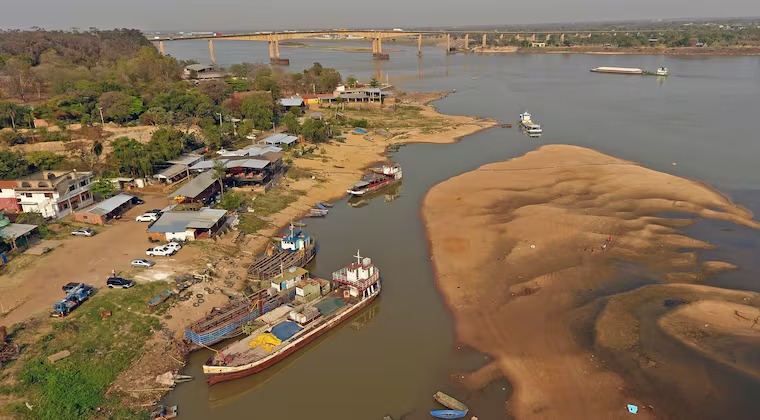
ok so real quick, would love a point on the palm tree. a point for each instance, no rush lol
(351, 81)
(219, 173)
(8, 110)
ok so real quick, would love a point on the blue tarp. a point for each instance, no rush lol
(360, 131)
(321, 207)
(285, 330)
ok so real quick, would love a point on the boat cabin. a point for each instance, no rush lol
(295, 241)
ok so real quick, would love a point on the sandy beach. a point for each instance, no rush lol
(526, 250)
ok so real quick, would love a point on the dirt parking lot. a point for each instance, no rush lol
(34, 288)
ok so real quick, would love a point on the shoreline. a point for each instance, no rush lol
(332, 188)
(540, 357)
(677, 52)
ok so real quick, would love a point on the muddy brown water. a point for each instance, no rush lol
(701, 118)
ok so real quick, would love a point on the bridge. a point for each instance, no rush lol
(377, 37)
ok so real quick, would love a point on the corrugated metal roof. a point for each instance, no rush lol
(281, 138)
(15, 230)
(247, 163)
(187, 159)
(291, 101)
(171, 171)
(179, 221)
(197, 67)
(109, 205)
(196, 185)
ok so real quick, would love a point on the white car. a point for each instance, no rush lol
(176, 246)
(159, 251)
(147, 217)
(83, 232)
(142, 263)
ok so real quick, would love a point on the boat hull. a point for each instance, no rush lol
(268, 266)
(448, 414)
(217, 374)
(373, 188)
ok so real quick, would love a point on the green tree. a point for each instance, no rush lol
(13, 165)
(165, 144)
(290, 121)
(155, 116)
(374, 83)
(8, 112)
(259, 110)
(103, 188)
(43, 160)
(351, 81)
(97, 148)
(120, 107)
(315, 131)
(232, 201)
(131, 158)
(220, 171)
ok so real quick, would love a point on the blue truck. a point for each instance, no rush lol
(76, 294)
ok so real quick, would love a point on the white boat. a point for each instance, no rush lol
(529, 126)
(662, 71)
(618, 70)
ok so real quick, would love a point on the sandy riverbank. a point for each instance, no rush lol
(680, 51)
(517, 245)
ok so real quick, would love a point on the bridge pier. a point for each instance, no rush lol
(484, 41)
(562, 39)
(377, 49)
(211, 52)
(466, 42)
(419, 45)
(274, 53)
(448, 44)
(161, 47)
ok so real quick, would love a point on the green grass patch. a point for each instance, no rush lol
(296, 173)
(251, 224)
(74, 387)
(274, 200)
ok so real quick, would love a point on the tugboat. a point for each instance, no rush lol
(295, 249)
(289, 328)
(380, 178)
(662, 71)
(529, 126)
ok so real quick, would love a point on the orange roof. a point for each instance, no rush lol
(7, 183)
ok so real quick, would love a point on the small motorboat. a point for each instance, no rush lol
(448, 414)
(163, 412)
(506, 125)
(449, 402)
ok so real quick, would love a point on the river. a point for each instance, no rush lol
(697, 123)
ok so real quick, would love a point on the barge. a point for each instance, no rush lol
(296, 249)
(379, 178)
(529, 126)
(291, 327)
(662, 71)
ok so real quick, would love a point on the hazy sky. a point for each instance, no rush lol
(220, 15)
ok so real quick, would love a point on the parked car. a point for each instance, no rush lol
(137, 201)
(119, 282)
(159, 251)
(157, 211)
(83, 232)
(147, 217)
(176, 246)
(142, 262)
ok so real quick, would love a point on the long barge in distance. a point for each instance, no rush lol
(380, 178)
(291, 327)
(662, 71)
(295, 249)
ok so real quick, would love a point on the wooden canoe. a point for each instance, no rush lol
(450, 402)
(448, 414)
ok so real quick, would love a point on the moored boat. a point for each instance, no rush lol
(448, 414)
(529, 126)
(163, 412)
(295, 249)
(320, 306)
(449, 402)
(618, 70)
(380, 178)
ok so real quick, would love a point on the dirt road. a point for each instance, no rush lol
(35, 288)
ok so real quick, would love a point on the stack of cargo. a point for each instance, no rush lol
(305, 316)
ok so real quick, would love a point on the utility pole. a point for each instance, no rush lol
(102, 121)
(220, 119)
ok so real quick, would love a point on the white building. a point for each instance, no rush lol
(54, 193)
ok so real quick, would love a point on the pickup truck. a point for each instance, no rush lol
(159, 251)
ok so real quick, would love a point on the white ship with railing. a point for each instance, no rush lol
(529, 126)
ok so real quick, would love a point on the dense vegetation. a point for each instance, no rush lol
(76, 77)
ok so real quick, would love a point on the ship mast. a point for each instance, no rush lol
(358, 257)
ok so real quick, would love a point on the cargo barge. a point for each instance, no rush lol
(380, 178)
(230, 320)
(529, 126)
(662, 71)
(289, 328)
(296, 249)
